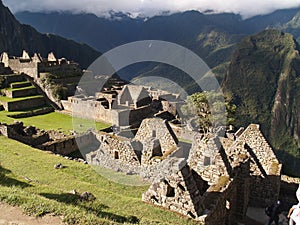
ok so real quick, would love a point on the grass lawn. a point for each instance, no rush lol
(47, 190)
(7, 99)
(54, 121)
(19, 89)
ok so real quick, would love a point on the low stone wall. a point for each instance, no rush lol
(33, 113)
(53, 141)
(20, 93)
(69, 144)
(14, 78)
(11, 131)
(24, 104)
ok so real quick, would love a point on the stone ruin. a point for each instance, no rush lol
(123, 105)
(53, 141)
(41, 72)
(36, 65)
(215, 184)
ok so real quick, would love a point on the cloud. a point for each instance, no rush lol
(246, 8)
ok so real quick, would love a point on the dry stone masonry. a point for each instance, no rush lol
(216, 184)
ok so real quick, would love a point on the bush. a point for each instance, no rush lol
(58, 91)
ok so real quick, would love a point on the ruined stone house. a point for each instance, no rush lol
(37, 65)
(219, 180)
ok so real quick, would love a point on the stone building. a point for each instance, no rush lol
(122, 106)
(36, 65)
(224, 176)
(215, 184)
(154, 141)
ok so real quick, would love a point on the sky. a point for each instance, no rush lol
(247, 8)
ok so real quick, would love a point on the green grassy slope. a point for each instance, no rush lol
(47, 190)
(53, 121)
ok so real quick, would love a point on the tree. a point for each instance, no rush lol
(209, 109)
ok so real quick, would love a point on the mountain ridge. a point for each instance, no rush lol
(263, 80)
(14, 38)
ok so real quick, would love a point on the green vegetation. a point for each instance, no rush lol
(263, 80)
(22, 88)
(7, 99)
(222, 183)
(211, 109)
(28, 180)
(54, 121)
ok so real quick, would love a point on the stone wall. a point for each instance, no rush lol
(288, 188)
(127, 117)
(171, 107)
(20, 93)
(182, 132)
(67, 69)
(207, 159)
(265, 170)
(70, 144)
(16, 132)
(160, 129)
(177, 191)
(219, 204)
(52, 141)
(24, 104)
(89, 109)
(264, 191)
(120, 149)
(26, 66)
(260, 149)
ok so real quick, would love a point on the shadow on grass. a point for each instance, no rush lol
(8, 181)
(90, 207)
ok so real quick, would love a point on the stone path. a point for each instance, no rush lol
(14, 216)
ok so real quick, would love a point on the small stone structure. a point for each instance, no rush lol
(48, 141)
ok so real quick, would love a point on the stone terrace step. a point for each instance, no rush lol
(21, 104)
(21, 92)
(13, 78)
(20, 84)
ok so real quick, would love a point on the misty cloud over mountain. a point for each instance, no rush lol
(246, 8)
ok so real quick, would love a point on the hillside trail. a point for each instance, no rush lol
(10, 215)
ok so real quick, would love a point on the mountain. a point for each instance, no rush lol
(15, 37)
(212, 36)
(263, 79)
(106, 33)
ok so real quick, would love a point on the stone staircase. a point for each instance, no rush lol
(20, 95)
